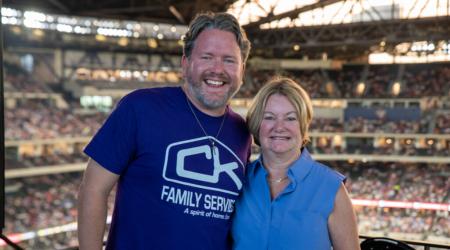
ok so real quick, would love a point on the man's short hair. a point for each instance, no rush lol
(220, 21)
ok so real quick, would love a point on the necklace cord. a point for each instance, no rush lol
(276, 180)
(201, 126)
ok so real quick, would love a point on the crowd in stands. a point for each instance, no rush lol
(363, 125)
(38, 120)
(127, 85)
(64, 240)
(18, 80)
(366, 147)
(312, 80)
(416, 82)
(46, 201)
(412, 224)
(40, 202)
(28, 161)
(397, 181)
(442, 124)
(378, 80)
(24, 84)
(426, 80)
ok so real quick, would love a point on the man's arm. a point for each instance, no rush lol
(93, 205)
(342, 223)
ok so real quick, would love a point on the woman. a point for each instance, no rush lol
(290, 201)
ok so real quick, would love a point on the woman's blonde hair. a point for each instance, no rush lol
(293, 92)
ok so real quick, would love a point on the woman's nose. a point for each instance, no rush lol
(279, 124)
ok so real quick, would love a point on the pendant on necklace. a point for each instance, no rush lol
(213, 148)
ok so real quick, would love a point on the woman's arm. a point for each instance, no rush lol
(342, 223)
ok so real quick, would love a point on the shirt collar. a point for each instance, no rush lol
(299, 169)
(302, 166)
(251, 169)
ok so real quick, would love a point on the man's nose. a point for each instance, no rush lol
(217, 66)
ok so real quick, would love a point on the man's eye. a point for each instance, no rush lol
(229, 61)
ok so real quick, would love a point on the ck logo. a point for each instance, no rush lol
(196, 163)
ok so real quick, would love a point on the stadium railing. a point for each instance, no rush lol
(423, 245)
(420, 244)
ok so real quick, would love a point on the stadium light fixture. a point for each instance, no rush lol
(64, 28)
(38, 33)
(396, 88)
(114, 32)
(152, 43)
(90, 25)
(82, 30)
(123, 41)
(329, 87)
(100, 38)
(9, 20)
(337, 140)
(360, 88)
(31, 23)
(10, 12)
(16, 30)
(36, 16)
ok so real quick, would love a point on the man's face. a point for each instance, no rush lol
(214, 71)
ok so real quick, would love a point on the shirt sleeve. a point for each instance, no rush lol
(114, 144)
(335, 180)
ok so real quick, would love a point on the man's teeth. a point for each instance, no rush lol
(216, 83)
(279, 137)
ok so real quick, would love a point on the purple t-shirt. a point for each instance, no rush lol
(175, 190)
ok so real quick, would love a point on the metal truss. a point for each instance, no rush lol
(165, 11)
(353, 38)
(337, 37)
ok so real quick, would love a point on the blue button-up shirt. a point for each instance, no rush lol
(297, 218)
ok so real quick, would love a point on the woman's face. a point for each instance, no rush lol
(279, 131)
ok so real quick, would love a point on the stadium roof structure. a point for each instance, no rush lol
(340, 29)
(346, 28)
(164, 11)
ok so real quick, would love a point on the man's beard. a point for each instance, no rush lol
(196, 90)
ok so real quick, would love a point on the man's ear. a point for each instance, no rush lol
(184, 65)
(243, 73)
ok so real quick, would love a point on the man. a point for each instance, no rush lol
(176, 154)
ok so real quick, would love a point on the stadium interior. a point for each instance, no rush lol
(378, 73)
